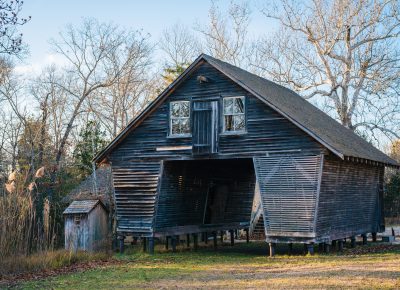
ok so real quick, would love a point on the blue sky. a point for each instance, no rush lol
(50, 16)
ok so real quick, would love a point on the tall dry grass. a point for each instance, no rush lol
(49, 260)
(25, 221)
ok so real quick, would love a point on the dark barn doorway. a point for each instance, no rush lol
(212, 194)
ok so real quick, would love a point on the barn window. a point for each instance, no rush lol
(234, 114)
(180, 118)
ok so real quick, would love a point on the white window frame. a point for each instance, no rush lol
(178, 118)
(234, 114)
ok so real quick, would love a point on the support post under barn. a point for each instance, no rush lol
(121, 244)
(340, 245)
(173, 243)
(272, 249)
(310, 249)
(364, 239)
(195, 241)
(353, 242)
(232, 238)
(144, 240)
(151, 245)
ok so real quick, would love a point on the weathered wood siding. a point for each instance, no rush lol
(90, 233)
(98, 229)
(135, 192)
(76, 235)
(266, 129)
(349, 202)
(289, 187)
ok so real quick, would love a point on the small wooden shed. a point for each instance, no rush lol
(86, 225)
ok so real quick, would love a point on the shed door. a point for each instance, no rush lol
(205, 127)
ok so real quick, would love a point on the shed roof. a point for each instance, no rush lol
(338, 139)
(82, 206)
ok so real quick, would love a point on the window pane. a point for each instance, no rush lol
(239, 122)
(175, 107)
(229, 123)
(185, 109)
(185, 126)
(175, 126)
(228, 106)
(238, 105)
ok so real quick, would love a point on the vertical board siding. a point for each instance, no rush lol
(77, 235)
(266, 130)
(289, 188)
(349, 200)
(135, 188)
(98, 225)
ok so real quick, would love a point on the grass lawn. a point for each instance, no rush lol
(241, 266)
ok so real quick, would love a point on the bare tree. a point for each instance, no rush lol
(132, 88)
(344, 54)
(10, 40)
(180, 46)
(226, 35)
(90, 52)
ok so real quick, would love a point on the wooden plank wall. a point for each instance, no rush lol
(289, 192)
(266, 129)
(349, 200)
(135, 188)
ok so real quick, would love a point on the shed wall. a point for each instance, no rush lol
(98, 228)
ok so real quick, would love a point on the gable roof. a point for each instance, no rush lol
(338, 139)
(83, 206)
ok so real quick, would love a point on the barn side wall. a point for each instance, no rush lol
(350, 200)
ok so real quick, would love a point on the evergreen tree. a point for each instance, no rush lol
(91, 141)
(172, 72)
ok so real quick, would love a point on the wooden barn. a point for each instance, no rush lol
(196, 158)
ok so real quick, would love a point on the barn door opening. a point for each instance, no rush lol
(205, 127)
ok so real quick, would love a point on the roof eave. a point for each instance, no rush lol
(324, 143)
